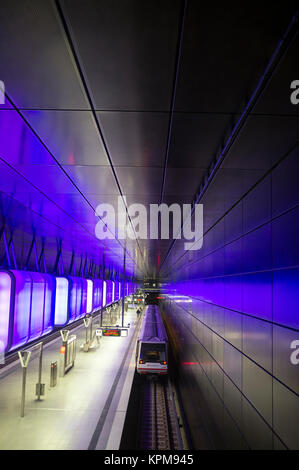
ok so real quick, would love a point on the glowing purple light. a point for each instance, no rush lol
(5, 297)
(113, 292)
(79, 298)
(108, 292)
(22, 308)
(49, 303)
(37, 305)
(89, 296)
(83, 309)
(61, 301)
(104, 293)
(97, 293)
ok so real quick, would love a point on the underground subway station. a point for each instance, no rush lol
(149, 208)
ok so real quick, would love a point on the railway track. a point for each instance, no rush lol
(159, 429)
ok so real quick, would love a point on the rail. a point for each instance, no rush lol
(159, 428)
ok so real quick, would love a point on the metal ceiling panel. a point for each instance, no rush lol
(195, 138)
(225, 50)
(183, 181)
(145, 199)
(135, 139)
(35, 62)
(174, 199)
(127, 50)
(139, 180)
(71, 136)
(94, 179)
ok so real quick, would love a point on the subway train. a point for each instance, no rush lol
(33, 304)
(152, 345)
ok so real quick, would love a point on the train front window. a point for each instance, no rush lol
(153, 352)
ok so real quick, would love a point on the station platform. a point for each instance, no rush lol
(86, 409)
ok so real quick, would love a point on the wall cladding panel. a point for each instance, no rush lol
(244, 297)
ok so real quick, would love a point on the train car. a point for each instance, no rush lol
(152, 346)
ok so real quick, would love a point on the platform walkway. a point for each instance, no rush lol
(86, 410)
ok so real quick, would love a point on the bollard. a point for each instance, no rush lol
(63, 356)
(87, 322)
(40, 387)
(24, 357)
(53, 374)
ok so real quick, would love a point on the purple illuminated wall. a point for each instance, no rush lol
(104, 294)
(80, 299)
(6, 282)
(90, 295)
(32, 303)
(113, 291)
(76, 297)
(62, 299)
(116, 291)
(234, 337)
(84, 297)
(22, 308)
(108, 292)
(32, 314)
(37, 305)
(40, 195)
(97, 300)
(49, 304)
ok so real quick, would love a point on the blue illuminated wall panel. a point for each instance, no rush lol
(89, 299)
(113, 291)
(37, 305)
(97, 300)
(49, 304)
(6, 295)
(32, 304)
(104, 293)
(116, 291)
(22, 308)
(32, 314)
(75, 298)
(109, 299)
(80, 290)
(62, 300)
